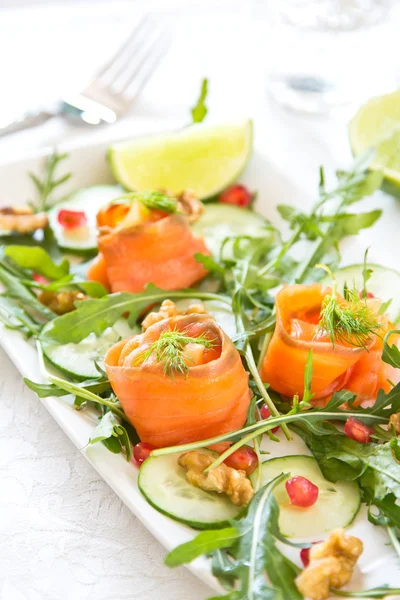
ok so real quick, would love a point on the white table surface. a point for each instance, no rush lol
(64, 535)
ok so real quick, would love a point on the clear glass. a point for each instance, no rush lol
(327, 53)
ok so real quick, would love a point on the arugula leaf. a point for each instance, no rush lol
(18, 292)
(391, 354)
(204, 543)
(94, 316)
(38, 260)
(44, 390)
(253, 553)
(110, 427)
(209, 263)
(351, 224)
(14, 317)
(199, 111)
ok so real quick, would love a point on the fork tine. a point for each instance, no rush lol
(147, 64)
(121, 50)
(132, 57)
(142, 75)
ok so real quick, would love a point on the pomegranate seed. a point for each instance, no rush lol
(301, 491)
(265, 414)
(142, 451)
(70, 219)
(244, 459)
(305, 555)
(369, 294)
(357, 431)
(40, 279)
(238, 195)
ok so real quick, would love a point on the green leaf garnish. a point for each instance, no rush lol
(152, 200)
(391, 354)
(250, 552)
(48, 184)
(200, 110)
(169, 350)
(38, 260)
(352, 322)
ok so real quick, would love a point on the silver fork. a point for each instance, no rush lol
(114, 88)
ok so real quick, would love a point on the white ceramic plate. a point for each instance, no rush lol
(88, 165)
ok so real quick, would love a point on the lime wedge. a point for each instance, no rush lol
(201, 157)
(377, 125)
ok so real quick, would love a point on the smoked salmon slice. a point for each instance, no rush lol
(339, 366)
(150, 247)
(211, 398)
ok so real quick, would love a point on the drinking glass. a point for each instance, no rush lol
(327, 53)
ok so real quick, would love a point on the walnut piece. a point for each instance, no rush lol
(222, 479)
(21, 219)
(331, 565)
(190, 205)
(394, 422)
(169, 309)
(60, 302)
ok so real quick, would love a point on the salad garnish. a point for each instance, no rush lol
(200, 110)
(49, 183)
(171, 350)
(319, 366)
(350, 321)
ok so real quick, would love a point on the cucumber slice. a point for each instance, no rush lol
(220, 311)
(337, 505)
(220, 221)
(78, 360)
(89, 200)
(384, 283)
(163, 483)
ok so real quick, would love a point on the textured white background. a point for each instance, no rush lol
(64, 535)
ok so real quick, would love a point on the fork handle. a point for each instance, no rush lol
(26, 122)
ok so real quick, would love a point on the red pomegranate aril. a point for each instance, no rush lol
(357, 431)
(40, 279)
(305, 555)
(244, 459)
(301, 491)
(265, 414)
(141, 452)
(71, 219)
(238, 195)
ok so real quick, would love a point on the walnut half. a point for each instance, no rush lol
(169, 309)
(60, 302)
(222, 479)
(21, 219)
(331, 565)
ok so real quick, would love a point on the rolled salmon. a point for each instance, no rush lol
(335, 366)
(210, 398)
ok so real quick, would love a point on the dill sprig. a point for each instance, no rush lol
(49, 183)
(351, 322)
(169, 349)
(152, 200)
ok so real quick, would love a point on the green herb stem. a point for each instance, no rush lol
(82, 393)
(266, 425)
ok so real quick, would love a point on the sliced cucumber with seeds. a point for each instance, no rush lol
(78, 360)
(337, 505)
(164, 485)
(220, 221)
(88, 200)
(384, 283)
